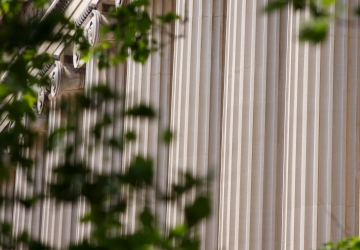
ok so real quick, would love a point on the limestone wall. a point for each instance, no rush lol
(274, 120)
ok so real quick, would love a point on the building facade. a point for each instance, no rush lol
(276, 122)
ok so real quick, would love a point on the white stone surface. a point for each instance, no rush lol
(274, 120)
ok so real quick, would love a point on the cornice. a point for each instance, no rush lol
(77, 10)
(57, 6)
(85, 14)
(74, 11)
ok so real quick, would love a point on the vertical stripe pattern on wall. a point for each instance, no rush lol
(274, 120)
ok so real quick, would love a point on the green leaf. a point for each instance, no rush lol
(140, 172)
(28, 203)
(167, 136)
(199, 210)
(299, 4)
(40, 3)
(314, 31)
(168, 18)
(104, 91)
(178, 231)
(24, 237)
(30, 98)
(357, 10)
(88, 217)
(130, 136)
(141, 110)
(190, 244)
(35, 245)
(4, 91)
(275, 5)
(147, 218)
(5, 228)
(328, 2)
(5, 6)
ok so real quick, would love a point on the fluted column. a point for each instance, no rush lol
(150, 84)
(320, 183)
(28, 182)
(249, 178)
(196, 104)
(57, 224)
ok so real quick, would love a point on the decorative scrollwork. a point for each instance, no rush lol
(77, 61)
(55, 79)
(91, 33)
(91, 30)
(119, 3)
(42, 100)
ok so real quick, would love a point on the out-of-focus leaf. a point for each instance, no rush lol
(147, 218)
(35, 244)
(29, 202)
(197, 211)
(168, 18)
(314, 31)
(357, 10)
(130, 136)
(328, 2)
(4, 91)
(299, 4)
(30, 98)
(140, 172)
(190, 243)
(178, 231)
(71, 179)
(275, 5)
(5, 228)
(104, 91)
(141, 110)
(83, 101)
(167, 136)
(23, 237)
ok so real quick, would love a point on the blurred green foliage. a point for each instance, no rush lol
(20, 67)
(350, 243)
(315, 30)
(320, 14)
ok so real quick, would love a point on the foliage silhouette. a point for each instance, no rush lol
(107, 194)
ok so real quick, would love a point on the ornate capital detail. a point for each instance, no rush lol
(72, 79)
(91, 33)
(63, 78)
(42, 101)
(84, 15)
(91, 30)
(39, 124)
(119, 3)
(77, 61)
(55, 79)
(11, 125)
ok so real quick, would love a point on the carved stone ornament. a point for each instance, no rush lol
(91, 30)
(119, 3)
(39, 124)
(63, 77)
(91, 33)
(11, 125)
(55, 79)
(42, 100)
(77, 61)
(72, 79)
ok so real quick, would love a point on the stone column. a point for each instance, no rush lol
(58, 227)
(196, 105)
